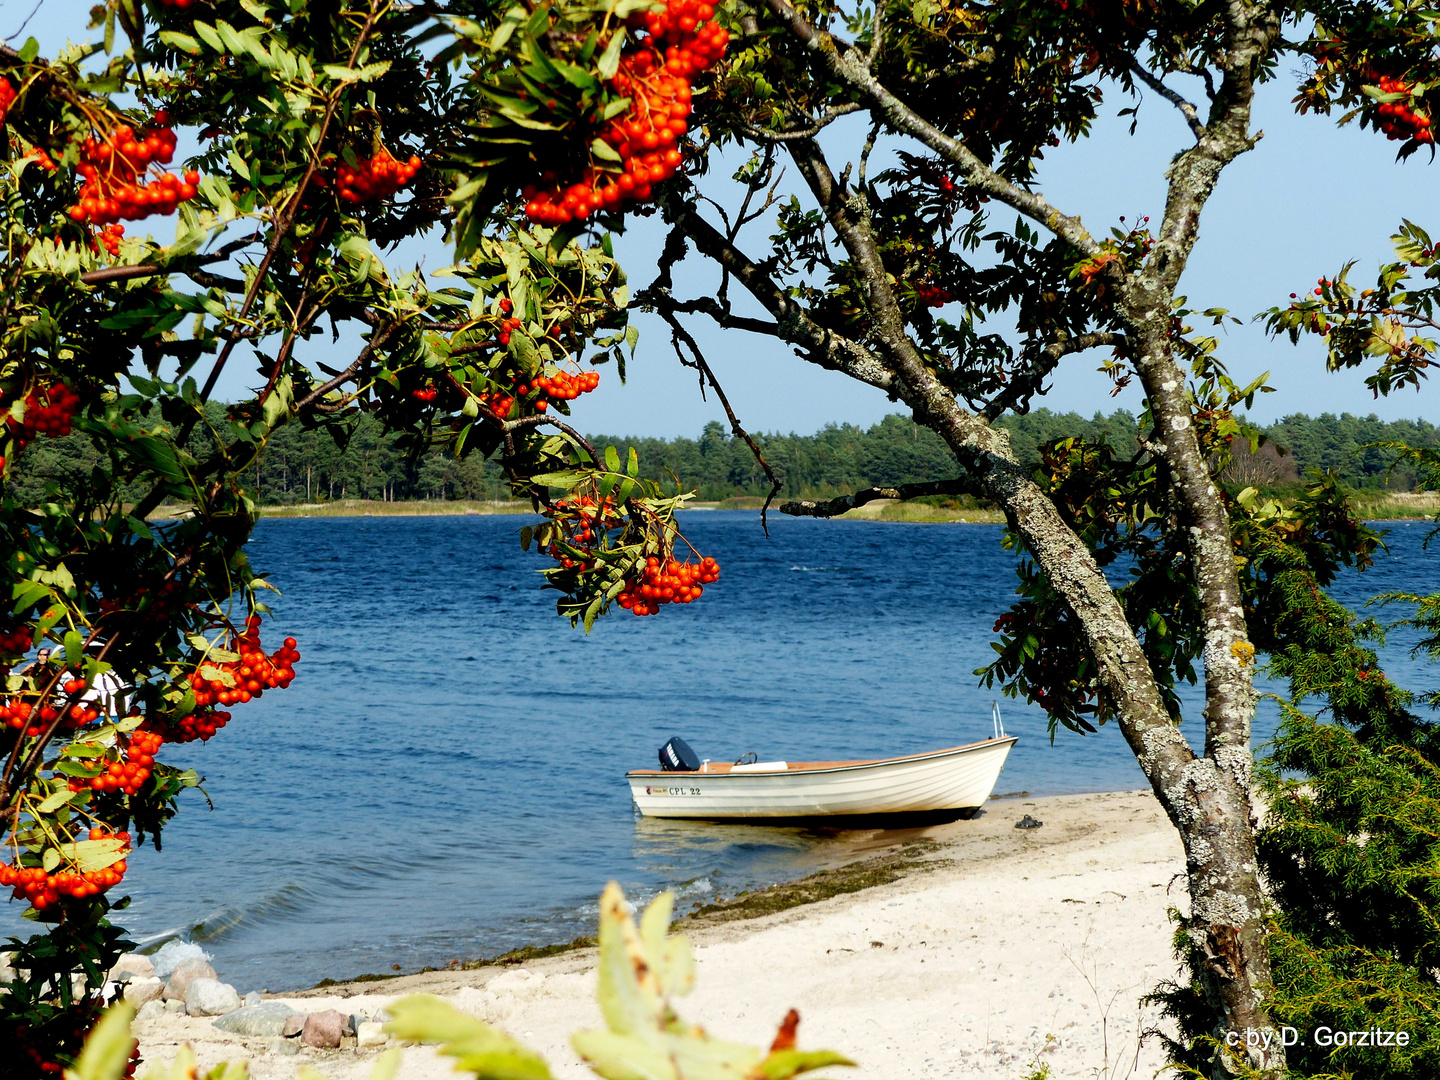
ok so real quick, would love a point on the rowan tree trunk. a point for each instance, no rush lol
(1206, 795)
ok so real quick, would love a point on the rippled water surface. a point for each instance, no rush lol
(445, 777)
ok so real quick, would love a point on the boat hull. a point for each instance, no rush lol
(917, 789)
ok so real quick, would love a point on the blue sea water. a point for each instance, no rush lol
(444, 779)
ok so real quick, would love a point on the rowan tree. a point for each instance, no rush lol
(328, 131)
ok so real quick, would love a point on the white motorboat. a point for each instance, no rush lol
(942, 785)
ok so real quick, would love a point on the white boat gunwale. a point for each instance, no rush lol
(817, 768)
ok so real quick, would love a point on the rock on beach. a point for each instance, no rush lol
(324, 1030)
(186, 972)
(267, 1018)
(210, 997)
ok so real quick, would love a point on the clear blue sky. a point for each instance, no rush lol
(1309, 198)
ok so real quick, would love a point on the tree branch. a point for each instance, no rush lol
(1026, 384)
(829, 117)
(823, 347)
(841, 503)
(1187, 110)
(901, 118)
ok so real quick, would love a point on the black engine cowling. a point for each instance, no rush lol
(676, 756)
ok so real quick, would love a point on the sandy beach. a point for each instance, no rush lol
(997, 950)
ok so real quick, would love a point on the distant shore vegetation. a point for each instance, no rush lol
(305, 469)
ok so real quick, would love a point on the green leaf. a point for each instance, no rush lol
(341, 73)
(107, 1048)
(29, 51)
(208, 35)
(91, 855)
(475, 1045)
(610, 58)
(49, 860)
(612, 459)
(74, 647)
(623, 1057)
(387, 1065)
(632, 465)
(558, 479)
(238, 164)
(28, 594)
(783, 1064)
(57, 799)
(604, 151)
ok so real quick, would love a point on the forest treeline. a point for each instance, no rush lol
(308, 466)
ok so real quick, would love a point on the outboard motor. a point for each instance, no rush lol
(676, 756)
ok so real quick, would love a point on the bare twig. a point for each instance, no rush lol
(828, 118)
(678, 336)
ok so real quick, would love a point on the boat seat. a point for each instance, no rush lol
(760, 766)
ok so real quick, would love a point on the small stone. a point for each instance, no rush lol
(371, 1033)
(1028, 822)
(138, 991)
(323, 1030)
(253, 998)
(210, 997)
(132, 966)
(294, 1025)
(284, 1046)
(186, 972)
(151, 1010)
(7, 973)
(267, 1018)
(353, 1022)
(173, 1006)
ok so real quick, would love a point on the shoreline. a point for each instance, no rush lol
(973, 949)
(886, 511)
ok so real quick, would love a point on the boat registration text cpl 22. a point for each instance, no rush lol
(672, 791)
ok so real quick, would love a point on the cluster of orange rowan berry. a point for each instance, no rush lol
(645, 136)
(248, 677)
(7, 98)
(581, 520)
(201, 725)
(113, 166)
(129, 772)
(932, 295)
(1397, 119)
(376, 177)
(24, 716)
(43, 889)
(49, 411)
(16, 642)
(498, 402)
(670, 582)
(163, 601)
(109, 238)
(563, 386)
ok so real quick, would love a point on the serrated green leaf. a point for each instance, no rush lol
(610, 59)
(475, 1045)
(207, 34)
